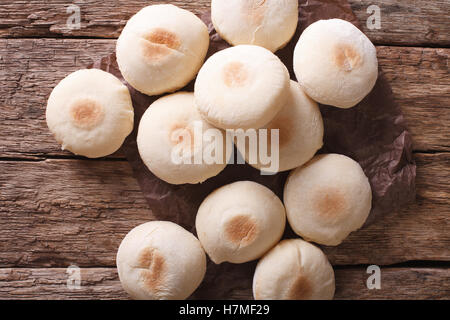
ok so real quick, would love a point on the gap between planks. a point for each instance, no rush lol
(37, 158)
(377, 44)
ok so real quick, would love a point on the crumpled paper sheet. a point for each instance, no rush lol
(373, 133)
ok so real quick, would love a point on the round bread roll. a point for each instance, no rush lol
(241, 87)
(90, 113)
(240, 222)
(161, 48)
(160, 260)
(335, 63)
(300, 133)
(327, 199)
(173, 143)
(266, 23)
(294, 270)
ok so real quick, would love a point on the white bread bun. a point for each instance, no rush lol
(170, 123)
(160, 260)
(266, 23)
(240, 222)
(335, 63)
(327, 199)
(294, 270)
(300, 128)
(241, 87)
(161, 48)
(90, 113)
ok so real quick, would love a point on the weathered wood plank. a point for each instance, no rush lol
(421, 86)
(96, 283)
(103, 283)
(31, 68)
(416, 22)
(55, 213)
(396, 284)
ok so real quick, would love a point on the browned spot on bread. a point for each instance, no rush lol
(234, 74)
(301, 289)
(255, 10)
(181, 134)
(164, 37)
(154, 52)
(159, 43)
(330, 203)
(153, 264)
(241, 230)
(347, 57)
(86, 113)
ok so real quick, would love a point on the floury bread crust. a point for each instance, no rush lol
(239, 222)
(90, 113)
(335, 63)
(327, 199)
(241, 87)
(161, 49)
(300, 128)
(266, 23)
(294, 270)
(168, 127)
(160, 260)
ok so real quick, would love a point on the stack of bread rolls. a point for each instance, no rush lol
(326, 197)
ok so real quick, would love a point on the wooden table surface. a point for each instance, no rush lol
(57, 209)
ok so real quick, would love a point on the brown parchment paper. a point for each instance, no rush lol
(373, 133)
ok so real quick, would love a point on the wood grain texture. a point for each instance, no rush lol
(414, 22)
(421, 85)
(96, 283)
(58, 212)
(417, 22)
(55, 213)
(396, 284)
(32, 67)
(103, 283)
